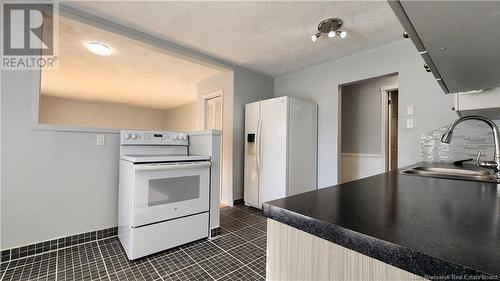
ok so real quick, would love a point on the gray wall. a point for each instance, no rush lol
(249, 86)
(362, 115)
(54, 183)
(320, 84)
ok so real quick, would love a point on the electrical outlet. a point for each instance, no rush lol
(409, 123)
(101, 140)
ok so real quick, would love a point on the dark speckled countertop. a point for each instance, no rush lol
(431, 227)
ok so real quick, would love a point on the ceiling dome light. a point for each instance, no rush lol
(99, 48)
(331, 27)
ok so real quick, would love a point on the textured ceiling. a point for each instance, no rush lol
(135, 73)
(269, 37)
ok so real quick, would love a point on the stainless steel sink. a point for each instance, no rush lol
(452, 173)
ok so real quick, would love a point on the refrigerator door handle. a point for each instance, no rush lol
(257, 154)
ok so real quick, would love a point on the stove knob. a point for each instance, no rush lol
(184, 138)
(127, 136)
(133, 136)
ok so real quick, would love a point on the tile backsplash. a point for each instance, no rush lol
(469, 137)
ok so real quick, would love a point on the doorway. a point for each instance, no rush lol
(368, 133)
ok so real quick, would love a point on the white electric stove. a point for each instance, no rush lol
(164, 192)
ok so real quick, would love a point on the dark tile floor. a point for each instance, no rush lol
(239, 254)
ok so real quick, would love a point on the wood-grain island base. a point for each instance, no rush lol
(296, 255)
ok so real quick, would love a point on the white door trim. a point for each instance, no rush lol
(385, 126)
(205, 98)
(339, 137)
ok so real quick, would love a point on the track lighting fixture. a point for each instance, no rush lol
(330, 26)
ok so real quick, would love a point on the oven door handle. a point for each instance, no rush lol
(171, 166)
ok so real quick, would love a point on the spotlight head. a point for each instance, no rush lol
(315, 36)
(332, 33)
(343, 34)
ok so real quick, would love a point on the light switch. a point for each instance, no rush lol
(410, 109)
(409, 123)
(101, 140)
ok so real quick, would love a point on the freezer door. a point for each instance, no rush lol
(272, 152)
(302, 146)
(251, 180)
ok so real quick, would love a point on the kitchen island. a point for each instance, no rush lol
(387, 227)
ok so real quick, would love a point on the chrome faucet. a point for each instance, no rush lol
(495, 164)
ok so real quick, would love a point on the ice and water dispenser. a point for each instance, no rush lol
(251, 144)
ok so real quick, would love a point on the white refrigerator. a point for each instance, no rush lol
(280, 149)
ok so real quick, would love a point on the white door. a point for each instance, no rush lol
(213, 113)
(272, 156)
(251, 180)
(213, 121)
(169, 190)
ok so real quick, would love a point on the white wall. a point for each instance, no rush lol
(358, 166)
(182, 118)
(71, 112)
(78, 113)
(224, 82)
(249, 86)
(321, 83)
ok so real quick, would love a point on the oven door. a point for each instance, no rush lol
(169, 190)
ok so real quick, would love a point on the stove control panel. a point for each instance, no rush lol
(133, 137)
